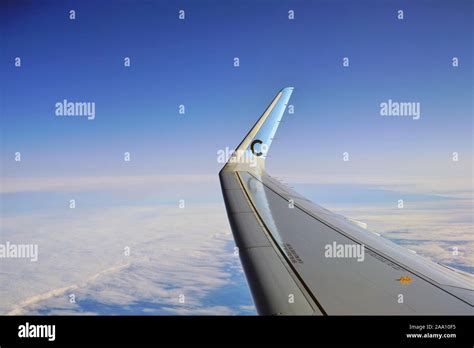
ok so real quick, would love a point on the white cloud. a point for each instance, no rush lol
(431, 228)
(173, 251)
(74, 184)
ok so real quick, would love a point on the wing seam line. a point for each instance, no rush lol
(295, 272)
(420, 275)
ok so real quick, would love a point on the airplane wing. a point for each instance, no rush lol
(300, 258)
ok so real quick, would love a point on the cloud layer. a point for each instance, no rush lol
(180, 261)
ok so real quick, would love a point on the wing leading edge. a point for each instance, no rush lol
(284, 239)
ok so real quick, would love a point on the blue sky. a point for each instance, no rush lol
(190, 62)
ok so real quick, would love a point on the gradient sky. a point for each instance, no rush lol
(190, 62)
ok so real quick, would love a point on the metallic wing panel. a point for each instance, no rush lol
(284, 241)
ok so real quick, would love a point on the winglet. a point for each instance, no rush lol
(253, 149)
